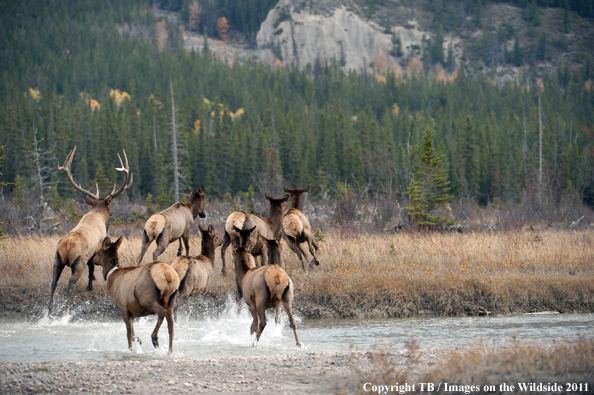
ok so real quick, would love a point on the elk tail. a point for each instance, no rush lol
(276, 282)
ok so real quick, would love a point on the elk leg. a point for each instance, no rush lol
(186, 244)
(162, 243)
(129, 330)
(291, 242)
(179, 249)
(58, 267)
(145, 245)
(312, 245)
(302, 249)
(226, 242)
(287, 306)
(169, 316)
(161, 312)
(134, 338)
(254, 312)
(77, 271)
(262, 318)
(91, 266)
(264, 256)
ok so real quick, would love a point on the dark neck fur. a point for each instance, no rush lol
(241, 268)
(296, 201)
(208, 248)
(110, 264)
(276, 213)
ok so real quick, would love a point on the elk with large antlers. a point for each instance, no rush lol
(264, 287)
(78, 247)
(265, 226)
(296, 227)
(139, 291)
(195, 272)
(173, 223)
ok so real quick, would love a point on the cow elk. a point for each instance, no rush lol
(264, 287)
(80, 245)
(296, 228)
(264, 226)
(138, 291)
(195, 272)
(173, 223)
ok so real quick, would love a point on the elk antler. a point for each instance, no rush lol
(66, 169)
(126, 171)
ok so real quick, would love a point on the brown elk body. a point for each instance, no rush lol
(195, 272)
(138, 291)
(173, 223)
(296, 228)
(264, 287)
(264, 226)
(78, 247)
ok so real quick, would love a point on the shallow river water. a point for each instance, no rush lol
(67, 339)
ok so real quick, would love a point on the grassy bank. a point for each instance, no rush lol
(366, 275)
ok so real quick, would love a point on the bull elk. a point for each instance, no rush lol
(138, 291)
(296, 228)
(195, 272)
(240, 220)
(264, 287)
(80, 245)
(173, 223)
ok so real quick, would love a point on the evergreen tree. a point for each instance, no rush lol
(432, 190)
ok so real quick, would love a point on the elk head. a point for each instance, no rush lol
(244, 237)
(274, 248)
(296, 196)
(211, 234)
(94, 199)
(107, 256)
(196, 202)
(277, 206)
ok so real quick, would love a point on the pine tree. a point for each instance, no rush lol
(432, 190)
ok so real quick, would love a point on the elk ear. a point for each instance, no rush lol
(106, 243)
(211, 229)
(201, 190)
(118, 242)
(286, 190)
(89, 201)
(108, 200)
(235, 228)
(305, 190)
(267, 197)
(285, 199)
(201, 230)
(235, 244)
(189, 191)
(249, 231)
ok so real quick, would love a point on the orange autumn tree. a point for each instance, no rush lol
(222, 28)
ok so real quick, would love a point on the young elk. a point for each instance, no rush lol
(173, 223)
(195, 272)
(263, 287)
(296, 228)
(265, 226)
(138, 291)
(78, 247)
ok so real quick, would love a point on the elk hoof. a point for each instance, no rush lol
(90, 287)
(224, 273)
(155, 342)
(94, 278)
(136, 339)
(179, 252)
(299, 345)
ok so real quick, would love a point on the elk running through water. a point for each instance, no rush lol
(80, 245)
(296, 228)
(266, 226)
(195, 272)
(264, 287)
(173, 223)
(138, 291)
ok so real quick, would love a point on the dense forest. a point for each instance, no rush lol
(107, 76)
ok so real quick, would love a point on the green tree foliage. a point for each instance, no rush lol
(429, 189)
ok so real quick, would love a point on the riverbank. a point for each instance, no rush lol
(360, 276)
(321, 373)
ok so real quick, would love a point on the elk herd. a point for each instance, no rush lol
(158, 287)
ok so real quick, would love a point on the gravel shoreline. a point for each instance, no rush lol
(312, 373)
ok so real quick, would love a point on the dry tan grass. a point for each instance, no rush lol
(379, 275)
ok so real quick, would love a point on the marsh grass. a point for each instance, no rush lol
(375, 275)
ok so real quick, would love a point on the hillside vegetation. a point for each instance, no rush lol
(101, 77)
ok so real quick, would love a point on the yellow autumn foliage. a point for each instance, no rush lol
(236, 114)
(414, 66)
(588, 85)
(380, 78)
(161, 34)
(196, 129)
(94, 104)
(35, 94)
(119, 96)
(395, 109)
(540, 84)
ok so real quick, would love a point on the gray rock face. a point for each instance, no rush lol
(336, 32)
